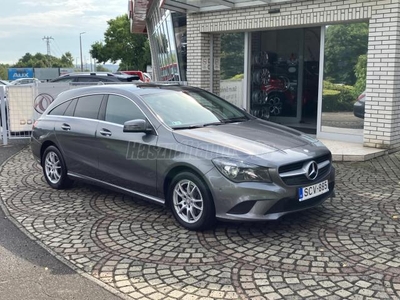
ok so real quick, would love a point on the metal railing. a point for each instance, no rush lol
(3, 115)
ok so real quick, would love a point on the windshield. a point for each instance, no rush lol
(186, 109)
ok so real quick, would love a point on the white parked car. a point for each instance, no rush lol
(25, 81)
(4, 82)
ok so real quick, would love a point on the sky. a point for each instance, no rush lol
(24, 24)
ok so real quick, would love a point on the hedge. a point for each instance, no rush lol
(337, 97)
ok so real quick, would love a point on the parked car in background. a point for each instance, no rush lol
(359, 106)
(182, 147)
(94, 77)
(22, 81)
(4, 82)
(144, 77)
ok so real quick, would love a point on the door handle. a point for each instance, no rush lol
(105, 132)
(65, 127)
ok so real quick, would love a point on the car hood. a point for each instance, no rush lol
(254, 137)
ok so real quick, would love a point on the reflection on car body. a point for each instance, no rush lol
(183, 147)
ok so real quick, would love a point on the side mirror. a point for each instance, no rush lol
(138, 125)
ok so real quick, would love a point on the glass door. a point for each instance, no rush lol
(344, 81)
(276, 75)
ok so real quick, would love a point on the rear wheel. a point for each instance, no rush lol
(191, 202)
(54, 169)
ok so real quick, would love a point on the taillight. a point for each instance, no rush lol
(361, 97)
(34, 124)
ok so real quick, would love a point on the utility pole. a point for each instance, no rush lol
(80, 45)
(47, 39)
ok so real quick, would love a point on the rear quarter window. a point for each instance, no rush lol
(60, 109)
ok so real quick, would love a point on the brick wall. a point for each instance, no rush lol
(382, 119)
(382, 122)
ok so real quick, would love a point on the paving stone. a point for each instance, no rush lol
(346, 248)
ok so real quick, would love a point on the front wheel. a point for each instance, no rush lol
(54, 169)
(191, 202)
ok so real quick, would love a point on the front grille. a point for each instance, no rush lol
(299, 165)
(291, 204)
(302, 179)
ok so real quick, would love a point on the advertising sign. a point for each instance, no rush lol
(232, 91)
(17, 73)
(46, 93)
(19, 98)
(46, 73)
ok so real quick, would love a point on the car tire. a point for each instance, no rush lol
(191, 202)
(54, 169)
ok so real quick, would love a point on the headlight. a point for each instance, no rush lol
(239, 171)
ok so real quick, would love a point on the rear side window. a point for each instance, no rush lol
(120, 109)
(71, 108)
(88, 106)
(60, 109)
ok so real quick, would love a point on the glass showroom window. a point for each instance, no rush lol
(232, 68)
(345, 64)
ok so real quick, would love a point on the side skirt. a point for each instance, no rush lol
(116, 188)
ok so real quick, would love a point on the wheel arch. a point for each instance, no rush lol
(44, 146)
(179, 169)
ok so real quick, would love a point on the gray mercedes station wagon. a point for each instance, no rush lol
(184, 148)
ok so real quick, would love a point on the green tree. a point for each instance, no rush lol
(121, 45)
(344, 44)
(67, 60)
(232, 51)
(101, 68)
(45, 61)
(4, 71)
(361, 74)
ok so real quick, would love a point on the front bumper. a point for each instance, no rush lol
(256, 201)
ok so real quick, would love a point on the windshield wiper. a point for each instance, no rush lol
(213, 123)
(234, 120)
(197, 126)
(187, 127)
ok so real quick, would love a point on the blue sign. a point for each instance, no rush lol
(17, 73)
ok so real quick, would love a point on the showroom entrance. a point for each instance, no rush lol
(284, 76)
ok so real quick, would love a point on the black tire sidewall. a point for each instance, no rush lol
(64, 180)
(207, 220)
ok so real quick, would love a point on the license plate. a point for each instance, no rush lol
(313, 190)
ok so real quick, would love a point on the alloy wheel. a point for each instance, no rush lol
(188, 201)
(53, 167)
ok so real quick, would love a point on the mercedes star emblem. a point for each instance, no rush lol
(312, 170)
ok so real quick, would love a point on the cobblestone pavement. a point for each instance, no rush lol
(347, 248)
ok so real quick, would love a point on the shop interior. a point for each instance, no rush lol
(285, 76)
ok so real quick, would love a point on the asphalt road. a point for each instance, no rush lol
(30, 272)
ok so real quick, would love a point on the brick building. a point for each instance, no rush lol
(287, 68)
